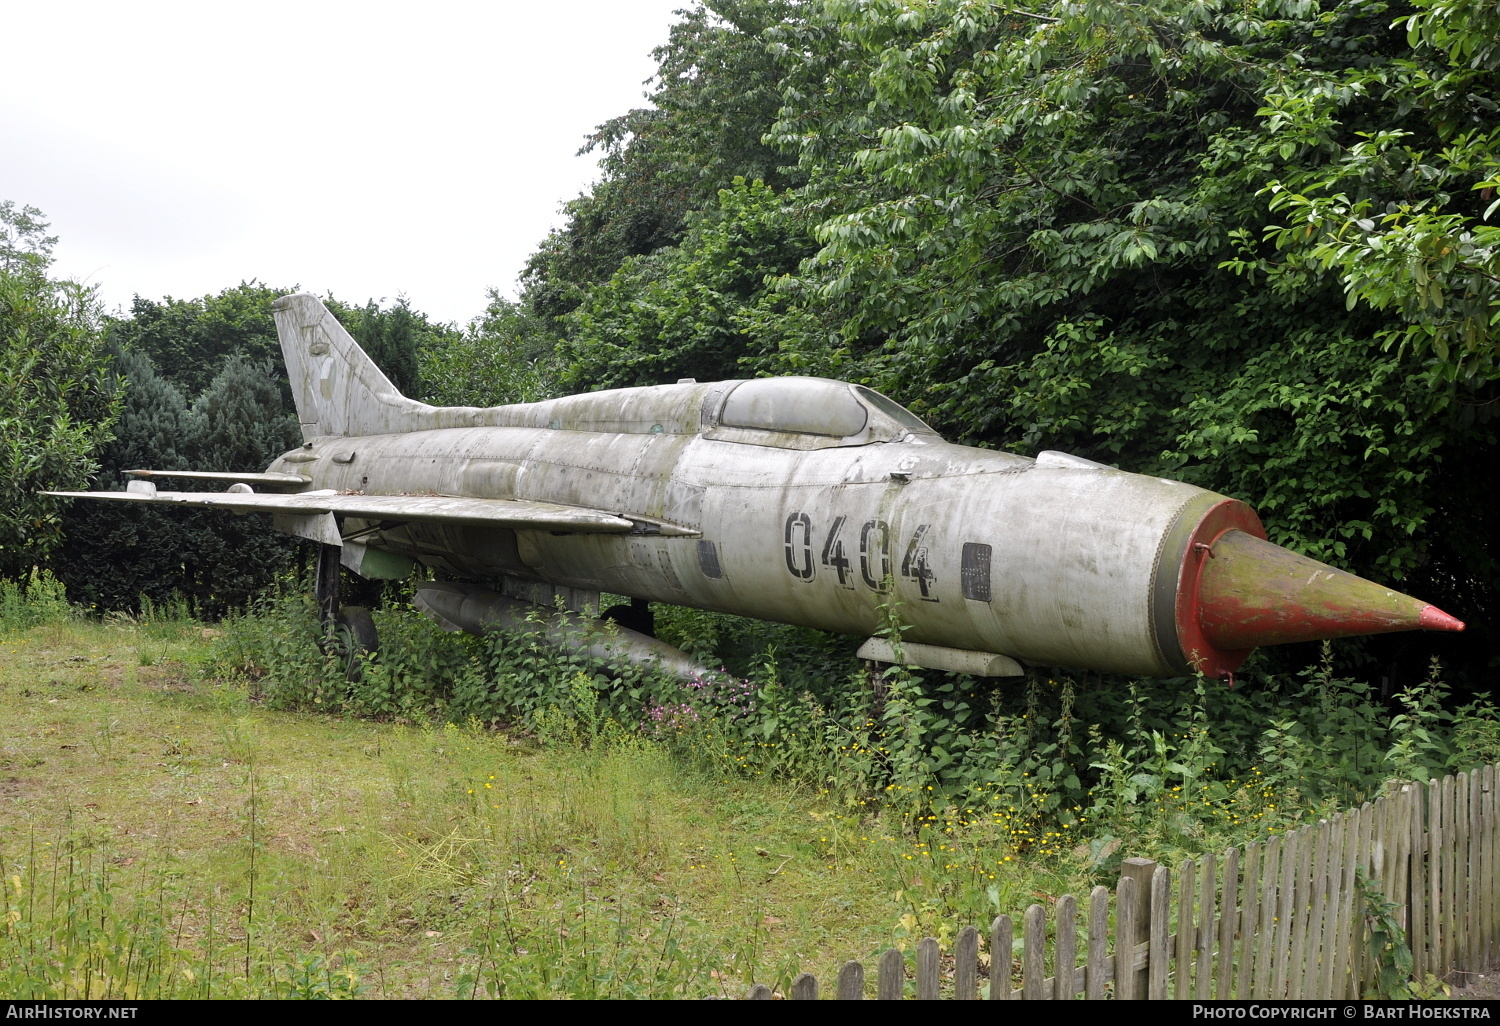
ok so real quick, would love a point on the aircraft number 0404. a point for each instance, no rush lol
(872, 541)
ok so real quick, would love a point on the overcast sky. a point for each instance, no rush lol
(365, 149)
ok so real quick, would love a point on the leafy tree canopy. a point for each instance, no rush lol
(716, 90)
(24, 242)
(691, 310)
(1242, 245)
(506, 355)
(118, 554)
(58, 396)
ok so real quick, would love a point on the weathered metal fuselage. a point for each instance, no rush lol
(1057, 560)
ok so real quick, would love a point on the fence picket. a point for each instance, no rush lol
(851, 982)
(1286, 910)
(804, 988)
(1203, 948)
(1437, 839)
(1492, 876)
(1265, 933)
(890, 984)
(1356, 843)
(966, 965)
(928, 971)
(1478, 926)
(1096, 970)
(1142, 871)
(1487, 846)
(1125, 934)
(1459, 833)
(1001, 938)
(1065, 915)
(1034, 949)
(1187, 930)
(1305, 866)
(1359, 857)
(1461, 871)
(1472, 851)
(1317, 903)
(1248, 914)
(1159, 952)
(1449, 873)
(1228, 923)
(1478, 869)
(1341, 886)
(1398, 862)
(1417, 918)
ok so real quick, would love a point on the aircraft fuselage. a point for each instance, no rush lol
(1053, 561)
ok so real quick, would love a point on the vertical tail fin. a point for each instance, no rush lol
(338, 389)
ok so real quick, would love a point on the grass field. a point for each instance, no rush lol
(160, 834)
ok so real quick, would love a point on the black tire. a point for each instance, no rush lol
(358, 639)
(635, 615)
(361, 627)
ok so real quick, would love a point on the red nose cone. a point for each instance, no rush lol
(1236, 591)
(1254, 593)
(1434, 619)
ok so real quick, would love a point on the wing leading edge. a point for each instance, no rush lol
(522, 514)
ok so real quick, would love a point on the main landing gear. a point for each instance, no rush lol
(351, 629)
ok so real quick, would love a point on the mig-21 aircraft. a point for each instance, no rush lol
(802, 500)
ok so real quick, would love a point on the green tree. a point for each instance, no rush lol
(190, 340)
(394, 337)
(113, 554)
(1399, 216)
(506, 355)
(689, 310)
(58, 399)
(24, 242)
(117, 553)
(715, 93)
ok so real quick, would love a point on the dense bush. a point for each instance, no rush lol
(115, 555)
(58, 400)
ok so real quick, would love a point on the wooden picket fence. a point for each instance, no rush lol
(1281, 919)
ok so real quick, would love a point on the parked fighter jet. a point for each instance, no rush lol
(796, 499)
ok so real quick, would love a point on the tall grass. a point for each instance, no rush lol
(76, 926)
(32, 601)
(554, 828)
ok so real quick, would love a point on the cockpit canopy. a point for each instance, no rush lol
(809, 413)
(811, 406)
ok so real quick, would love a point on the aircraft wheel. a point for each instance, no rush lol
(636, 615)
(361, 627)
(358, 638)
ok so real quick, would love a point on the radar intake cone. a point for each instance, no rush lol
(1253, 592)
